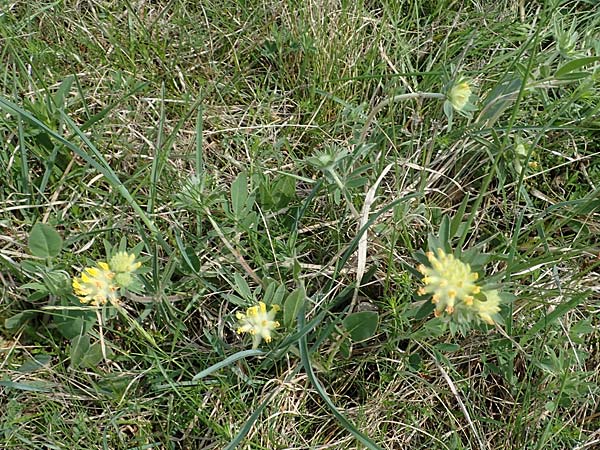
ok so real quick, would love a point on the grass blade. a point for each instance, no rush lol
(97, 162)
(304, 354)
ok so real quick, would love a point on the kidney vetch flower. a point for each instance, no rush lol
(461, 97)
(123, 264)
(486, 309)
(454, 290)
(258, 322)
(96, 285)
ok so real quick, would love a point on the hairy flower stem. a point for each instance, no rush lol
(101, 332)
(339, 183)
(394, 99)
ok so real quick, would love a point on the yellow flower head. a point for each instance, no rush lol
(96, 286)
(449, 280)
(488, 308)
(258, 322)
(459, 96)
(124, 264)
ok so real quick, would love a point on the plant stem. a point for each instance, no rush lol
(394, 99)
(339, 183)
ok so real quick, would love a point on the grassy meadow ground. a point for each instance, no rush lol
(259, 150)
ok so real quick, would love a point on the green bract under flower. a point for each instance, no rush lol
(258, 322)
(96, 285)
(454, 290)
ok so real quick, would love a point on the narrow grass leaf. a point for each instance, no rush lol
(305, 356)
(199, 152)
(226, 362)
(557, 313)
(241, 434)
(97, 162)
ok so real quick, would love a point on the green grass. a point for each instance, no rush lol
(135, 120)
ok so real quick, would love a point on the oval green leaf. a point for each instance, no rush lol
(239, 194)
(44, 241)
(361, 325)
(292, 306)
(574, 65)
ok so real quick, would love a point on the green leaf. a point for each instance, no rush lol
(191, 259)
(70, 325)
(583, 327)
(83, 354)
(548, 319)
(445, 347)
(499, 100)
(18, 319)
(345, 347)
(37, 295)
(79, 347)
(236, 300)
(444, 233)
(33, 266)
(576, 64)
(415, 361)
(44, 241)
(458, 217)
(93, 356)
(449, 112)
(425, 310)
(572, 76)
(34, 286)
(292, 306)
(115, 385)
(34, 386)
(63, 92)
(74, 319)
(239, 194)
(271, 286)
(430, 329)
(35, 363)
(284, 190)
(361, 325)
(242, 287)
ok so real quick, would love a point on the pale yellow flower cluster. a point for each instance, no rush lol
(461, 98)
(459, 95)
(258, 322)
(96, 285)
(100, 284)
(454, 290)
(124, 265)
